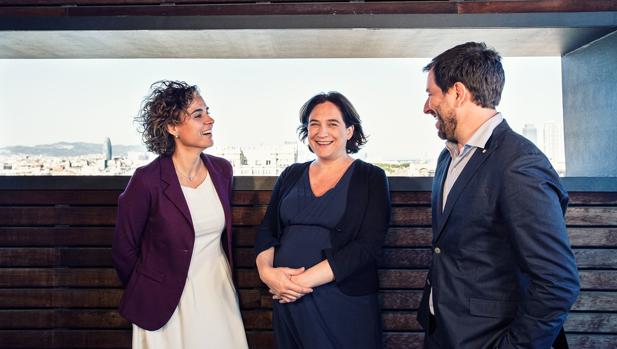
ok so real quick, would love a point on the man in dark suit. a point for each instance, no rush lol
(502, 272)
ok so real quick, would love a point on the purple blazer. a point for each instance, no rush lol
(154, 238)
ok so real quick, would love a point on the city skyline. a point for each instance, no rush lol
(253, 101)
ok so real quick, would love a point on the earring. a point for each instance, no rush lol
(176, 135)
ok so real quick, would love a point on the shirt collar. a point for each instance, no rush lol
(479, 138)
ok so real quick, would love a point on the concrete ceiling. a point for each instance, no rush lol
(288, 43)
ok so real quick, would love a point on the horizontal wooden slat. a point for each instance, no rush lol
(596, 237)
(60, 318)
(239, 197)
(414, 279)
(400, 321)
(582, 198)
(591, 322)
(596, 258)
(248, 278)
(598, 216)
(103, 339)
(32, 216)
(60, 298)
(410, 198)
(406, 258)
(407, 340)
(244, 236)
(55, 236)
(596, 301)
(251, 197)
(55, 257)
(260, 339)
(249, 299)
(59, 197)
(411, 216)
(592, 341)
(405, 279)
(58, 277)
(598, 280)
(400, 300)
(257, 319)
(409, 237)
(247, 215)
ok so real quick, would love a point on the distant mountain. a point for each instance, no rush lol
(70, 149)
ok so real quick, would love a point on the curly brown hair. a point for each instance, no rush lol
(166, 104)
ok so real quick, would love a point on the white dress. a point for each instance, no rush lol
(208, 315)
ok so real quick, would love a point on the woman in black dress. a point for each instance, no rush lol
(318, 245)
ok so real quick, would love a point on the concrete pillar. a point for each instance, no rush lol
(589, 82)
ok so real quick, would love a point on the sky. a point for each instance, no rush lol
(253, 101)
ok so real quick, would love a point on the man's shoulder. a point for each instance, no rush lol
(512, 142)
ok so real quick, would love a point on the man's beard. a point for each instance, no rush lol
(447, 126)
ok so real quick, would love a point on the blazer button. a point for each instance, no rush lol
(185, 251)
(437, 250)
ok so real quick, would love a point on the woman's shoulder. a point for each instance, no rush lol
(368, 168)
(295, 168)
(218, 161)
(145, 177)
(149, 169)
(219, 164)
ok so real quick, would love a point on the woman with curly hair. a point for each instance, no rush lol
(172, 242)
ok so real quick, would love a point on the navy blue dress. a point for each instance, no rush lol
(326, 318)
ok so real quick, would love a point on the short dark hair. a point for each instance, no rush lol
(165, 105)
(350, 117)
(475, 66)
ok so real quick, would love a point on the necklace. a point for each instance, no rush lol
(190, 178)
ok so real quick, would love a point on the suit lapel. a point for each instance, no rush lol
(437, 191)
(173, 191)
(478, 158)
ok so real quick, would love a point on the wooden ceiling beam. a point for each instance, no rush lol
(290, 7)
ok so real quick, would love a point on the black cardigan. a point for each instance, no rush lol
(356, 240)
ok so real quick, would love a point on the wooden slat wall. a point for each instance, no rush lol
(58, 288)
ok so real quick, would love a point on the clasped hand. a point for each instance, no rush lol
(284, 283)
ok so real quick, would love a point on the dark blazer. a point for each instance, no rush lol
(356, 240)
(502, 271)
(154, 237)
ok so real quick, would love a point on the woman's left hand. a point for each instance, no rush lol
(317, 275)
